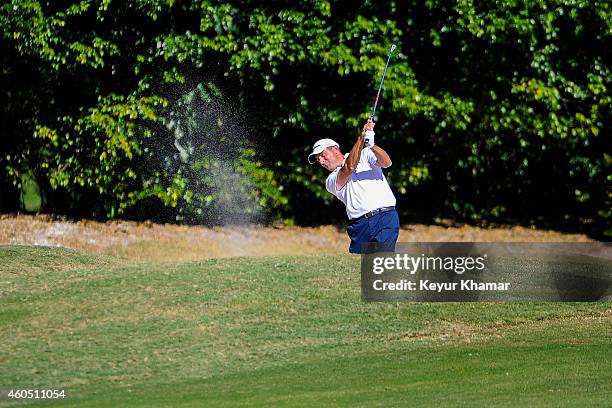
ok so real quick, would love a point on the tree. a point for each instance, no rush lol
(493, 110)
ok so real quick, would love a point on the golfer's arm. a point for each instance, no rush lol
(351, 162)
(382, 157)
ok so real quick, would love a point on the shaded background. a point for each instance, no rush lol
(204, 112)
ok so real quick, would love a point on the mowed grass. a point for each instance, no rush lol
(281, 331)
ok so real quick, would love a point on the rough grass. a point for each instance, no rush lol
(281, 331)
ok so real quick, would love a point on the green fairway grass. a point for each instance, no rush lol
(281, 331)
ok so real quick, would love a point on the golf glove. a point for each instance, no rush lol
(369, 138)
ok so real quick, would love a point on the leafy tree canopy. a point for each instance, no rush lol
(204, 111)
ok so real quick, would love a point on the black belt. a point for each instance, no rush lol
(373, 213)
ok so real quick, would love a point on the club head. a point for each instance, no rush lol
(393, 47)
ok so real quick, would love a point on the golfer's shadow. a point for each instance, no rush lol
(581, 278)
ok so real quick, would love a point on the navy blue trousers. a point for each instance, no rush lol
(382, 228)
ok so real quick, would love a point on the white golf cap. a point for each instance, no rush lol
(318, 147)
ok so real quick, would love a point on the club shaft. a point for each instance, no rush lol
(382, 80)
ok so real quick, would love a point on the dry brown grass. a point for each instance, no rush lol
(169, 243)
(457, 330)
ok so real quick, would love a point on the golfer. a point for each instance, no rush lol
(357, 180)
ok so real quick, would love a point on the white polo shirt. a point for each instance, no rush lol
(366, 190)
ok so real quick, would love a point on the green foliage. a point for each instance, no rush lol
(264, 188)
(31, 195)
(97, 151)
(490, 110)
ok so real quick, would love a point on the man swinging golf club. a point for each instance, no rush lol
(358, 181)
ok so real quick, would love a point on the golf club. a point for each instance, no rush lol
(381, 81)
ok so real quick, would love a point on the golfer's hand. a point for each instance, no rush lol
(368, 130)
